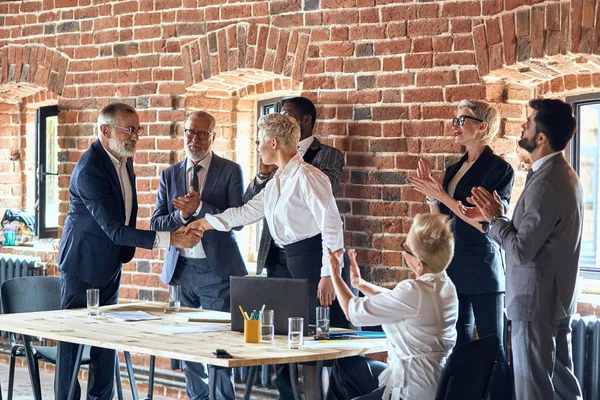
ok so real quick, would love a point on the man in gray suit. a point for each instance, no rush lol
(202, 183)
(542, 243)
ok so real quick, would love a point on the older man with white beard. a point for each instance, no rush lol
(202, 183)
(100, 234)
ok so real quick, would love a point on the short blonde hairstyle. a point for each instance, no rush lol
(432, 241)
(485, 112)
(281, 127)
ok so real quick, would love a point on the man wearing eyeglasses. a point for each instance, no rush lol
(202, 183)
(100, 234)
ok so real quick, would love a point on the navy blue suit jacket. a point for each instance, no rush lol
(95, 239)
(223, 189)
(477, 266)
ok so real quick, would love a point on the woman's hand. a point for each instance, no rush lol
(355, 279)
(334, 260)
(325, 291)
(425, 183)
(201, 225)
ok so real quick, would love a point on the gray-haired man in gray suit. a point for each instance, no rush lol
(542, 243)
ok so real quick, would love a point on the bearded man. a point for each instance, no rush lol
(100, 234)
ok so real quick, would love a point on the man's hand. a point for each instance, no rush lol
(472, 213)
(187, 204)
(334, 260)
(488, 205)
(325, 291)
(355, 279)
(266, 169)
(186, 238)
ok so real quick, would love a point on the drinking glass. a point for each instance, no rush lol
(174, 297)
(267, 326)
(93, 301)
(295, 332)
(323, 321)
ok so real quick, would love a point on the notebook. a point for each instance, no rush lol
(130, 316)
(205, 316)
(287, 297)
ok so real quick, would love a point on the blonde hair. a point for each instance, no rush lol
(281, 127)
(432, 241)
(485, 112)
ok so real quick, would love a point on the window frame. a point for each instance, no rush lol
(41, 115)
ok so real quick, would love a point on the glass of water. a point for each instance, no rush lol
(267, 326)
(295, 332)
(93, 301)
(174, 297)
(323, 321)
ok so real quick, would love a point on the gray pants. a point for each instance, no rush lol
(542, 360)
(202, 287)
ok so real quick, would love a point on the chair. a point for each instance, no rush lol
(31, 294)
(468, 371)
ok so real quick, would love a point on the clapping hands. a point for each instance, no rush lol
(187, 204)
(425, 182)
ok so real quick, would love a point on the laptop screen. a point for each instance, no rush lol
(287, 297)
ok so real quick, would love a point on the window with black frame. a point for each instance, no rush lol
(47, 201)
(584, 154)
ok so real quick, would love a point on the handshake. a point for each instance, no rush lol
(189, 236)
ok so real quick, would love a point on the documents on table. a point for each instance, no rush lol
(196, 328)
(348, 344)
(130, 316)
(204, 316)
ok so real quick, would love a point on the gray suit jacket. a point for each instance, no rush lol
(542, 244)
(222, 190)
(326, 158)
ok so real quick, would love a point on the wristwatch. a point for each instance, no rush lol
(262, 176)
(431, 202)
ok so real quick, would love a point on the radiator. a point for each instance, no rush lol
(15, 266)
(585, 341)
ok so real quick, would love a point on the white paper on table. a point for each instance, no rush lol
(345, 344)
(195, 328)
(130, 315)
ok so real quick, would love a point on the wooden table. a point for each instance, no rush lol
(144, 337)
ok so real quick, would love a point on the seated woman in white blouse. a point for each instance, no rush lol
(299, 208)
(418, 317)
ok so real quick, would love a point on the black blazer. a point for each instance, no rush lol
(477, 266)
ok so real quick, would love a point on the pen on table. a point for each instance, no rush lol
(243, 313)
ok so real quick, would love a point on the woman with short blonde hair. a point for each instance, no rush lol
(418, 316)
(477, 269)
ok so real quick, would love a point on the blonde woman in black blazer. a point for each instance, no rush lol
(477, 268)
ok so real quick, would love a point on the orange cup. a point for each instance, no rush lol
(252, 331)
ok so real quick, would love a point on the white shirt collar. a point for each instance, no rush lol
(537, 164)
(205, 162)
(304, 145)
(291, 166)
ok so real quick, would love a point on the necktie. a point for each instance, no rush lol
(529, 174)
(195, 171)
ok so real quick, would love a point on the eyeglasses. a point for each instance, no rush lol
(131, 130)
(190, 133)
(460, 121)
(404, 249)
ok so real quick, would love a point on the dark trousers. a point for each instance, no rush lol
(486, 311)
(202, 287)
(102, 367)
(543, 362)
(356, 378)
(302, 260)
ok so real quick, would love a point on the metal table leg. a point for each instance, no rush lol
(250, 381)
(31, 366)
(134, 392)
(294, 379)
(212, 382)
(71, 395)
(151, 378)
(118, 377)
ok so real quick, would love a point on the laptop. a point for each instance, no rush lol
(287, 297)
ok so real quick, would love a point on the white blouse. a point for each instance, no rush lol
(297, 204)
(419, 318)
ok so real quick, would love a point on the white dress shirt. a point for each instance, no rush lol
(196, 251)
(297, 204)
(304, 145)
(162, 239)
(419, 318)
(538, 163)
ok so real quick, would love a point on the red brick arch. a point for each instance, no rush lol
(533, 32)
(33, 65)
(248, 49)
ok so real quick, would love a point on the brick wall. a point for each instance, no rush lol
(385, 75)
